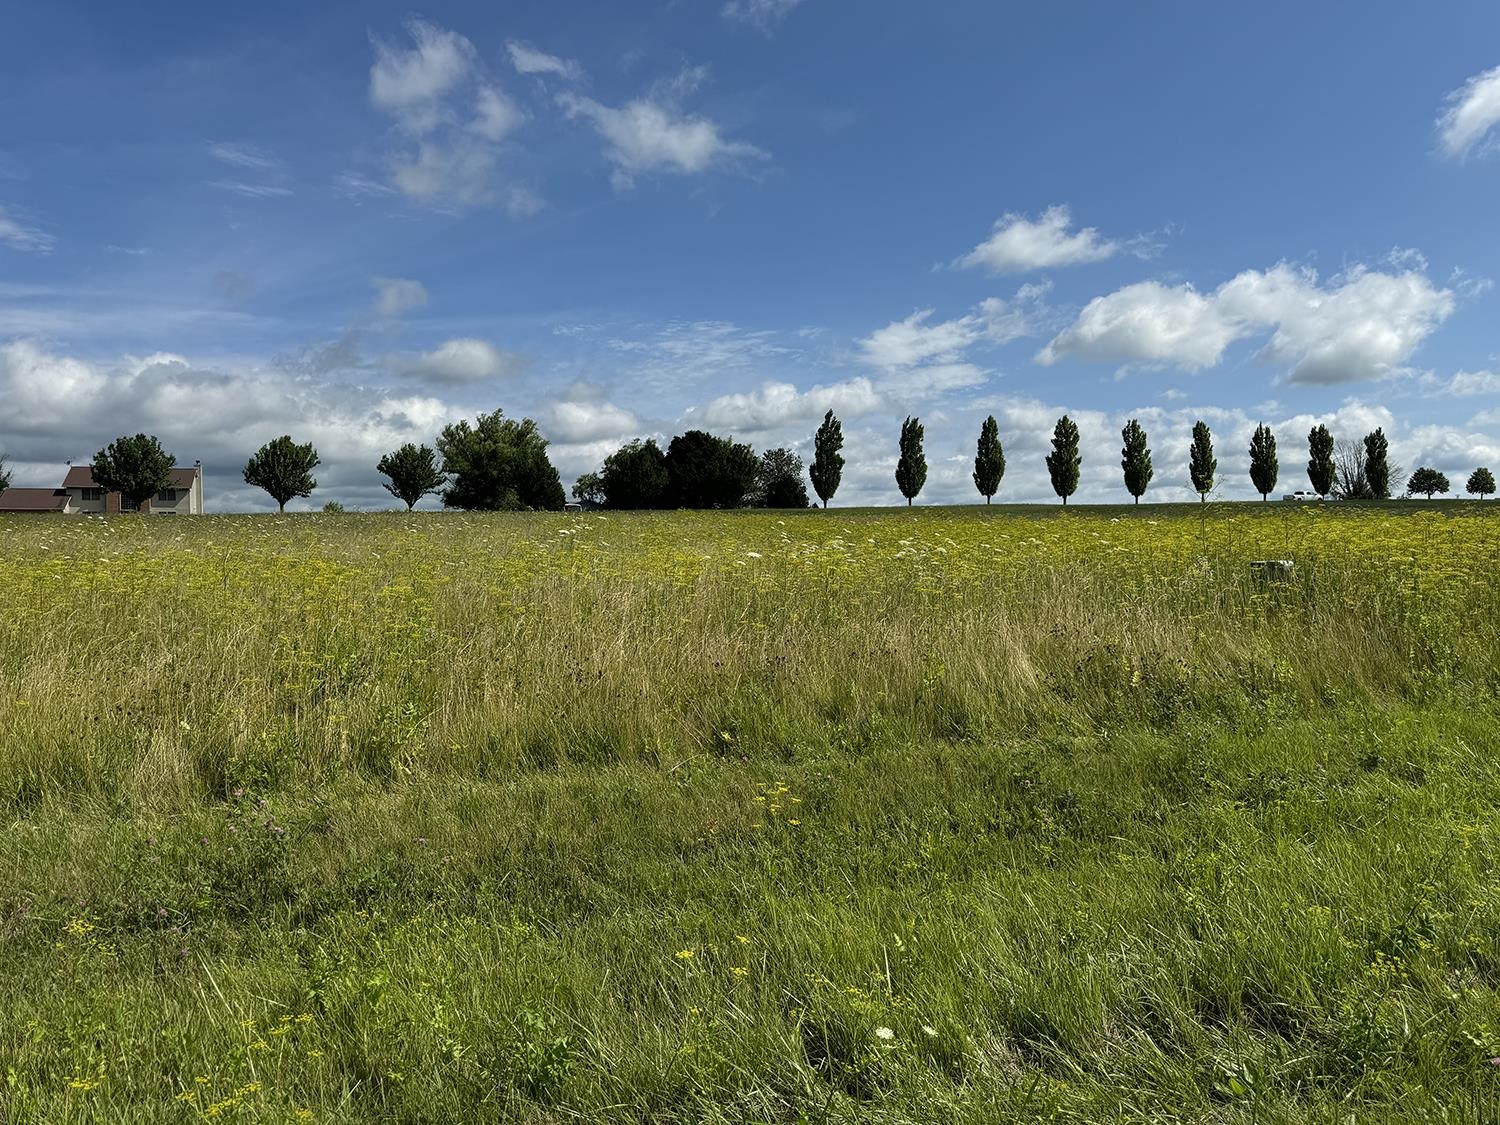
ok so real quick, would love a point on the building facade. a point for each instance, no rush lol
(80, 495)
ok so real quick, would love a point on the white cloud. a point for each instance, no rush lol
(396, 295)
(459, 361)
(777, 404)
(244, 156)
(686, 353)
(574, 421)
(919, 356)
(252, 191)
(1364, 324)
(409, 83)
(451, 120)
(60, 407)
(1019, 244)
(762, 14)
(20, 235)
(651, 134)
(528, 60)
(1463, 384)
(1473, 112)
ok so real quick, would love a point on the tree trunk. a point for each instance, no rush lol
(281, 507)
(1138, 501)
(986, 501)
(908, 501)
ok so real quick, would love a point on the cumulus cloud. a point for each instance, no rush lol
(918, 354)
(60, 407)
(450, 119)
(1019, 244)
(761, 14)
(19, 235)
(459, 361)
(777, 404)
(528, 60)
(576, 421)
(653, 134)
(1473, 111)
(397, 295)
(1363, 324)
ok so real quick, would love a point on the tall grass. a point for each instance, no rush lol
(835, 816)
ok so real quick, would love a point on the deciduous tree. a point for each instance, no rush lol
(1202, 465)
(779, 483)
(828, 463)
(989, 460)
(1064, 462)
(705, 471)
(1320, 468)
(633, 477)
(135, 467)
(498, 464)
(414, 472)
(1263, 465)
(1481, 483)
(1135, 459)
(1377, 464)
(911, 467)
(283, 468)
(1427, 481)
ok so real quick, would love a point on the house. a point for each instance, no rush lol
(19, 500)
(79, 494)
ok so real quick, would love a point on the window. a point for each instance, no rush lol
(93, 494)
(167, 496)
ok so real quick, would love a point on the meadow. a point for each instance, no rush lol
(882, 816)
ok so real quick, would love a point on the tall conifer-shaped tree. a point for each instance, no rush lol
(1064, 462)
(1263, 464)
(989, 460)
(1135, 459)
(1320, 470)
(1378, 464)
(1202, 465)
(911, 469)
(827, 468)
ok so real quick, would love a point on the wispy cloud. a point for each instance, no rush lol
(528, 60)
(1467, 125)
(761, 14)
(19, 234)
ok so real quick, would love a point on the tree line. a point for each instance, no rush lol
(497, 463)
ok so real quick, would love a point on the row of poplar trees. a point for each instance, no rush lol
(1348, 470)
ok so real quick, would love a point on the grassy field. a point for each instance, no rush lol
(919, 816)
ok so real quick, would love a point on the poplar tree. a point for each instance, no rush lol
(1064, 462)
(1263, 465)
(1135, 459)
(989, 460)
(827, 468)
(1378, 464)
(1320, 468)
(911, 469)
(1201, 462)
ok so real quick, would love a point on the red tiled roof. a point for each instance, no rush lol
(33, 500)
(82, 476)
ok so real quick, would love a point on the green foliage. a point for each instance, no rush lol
(911, 467)
(1377, 464)
(1263, 464)
(333, 508)
(779, 483)
(989, 460)
(634, 476)
(1428, 482)
(413, 473)
(1481, 483)
(1064, 462)
(1202, 465)
(828, 463)
(589, 488)
(499, 465)
(1320, 466)
(135, 467)
(284, 469)
(1135, 459)
(705, 471)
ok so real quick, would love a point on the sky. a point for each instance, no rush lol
(357, 222)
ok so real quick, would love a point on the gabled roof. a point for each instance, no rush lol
(33, 500)
(82, 476)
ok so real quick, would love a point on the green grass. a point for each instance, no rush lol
(672, 818)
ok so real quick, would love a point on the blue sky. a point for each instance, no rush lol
(356, 222)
